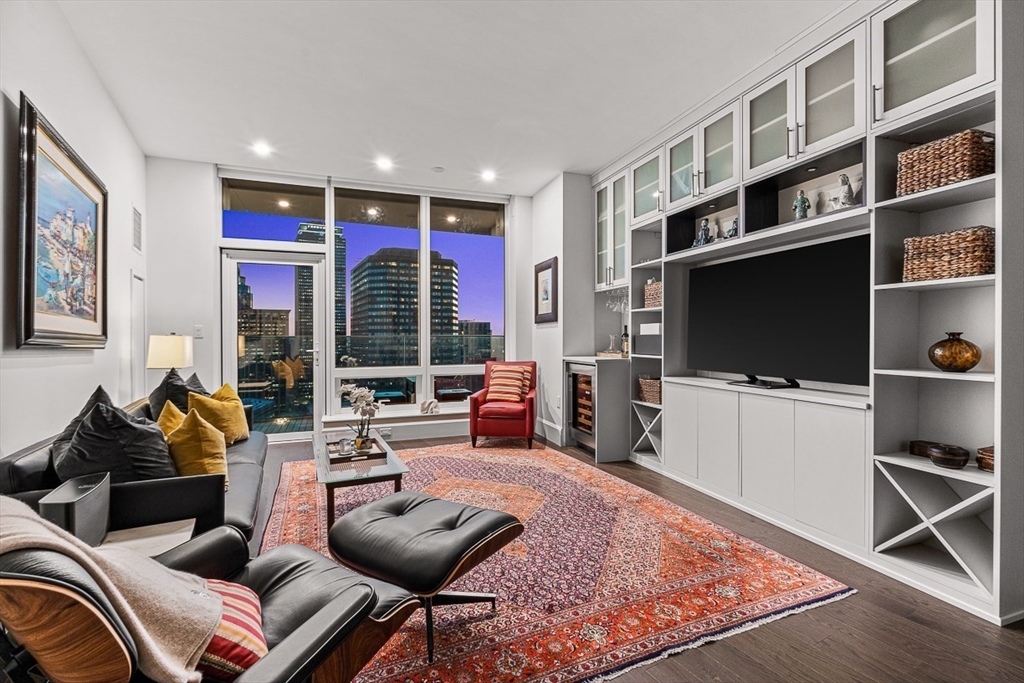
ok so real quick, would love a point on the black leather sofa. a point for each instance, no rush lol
(28, 475)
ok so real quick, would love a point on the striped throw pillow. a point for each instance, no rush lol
(505, 384)
(527, 378)
(238, 642)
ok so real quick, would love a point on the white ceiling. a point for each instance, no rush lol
(529, 89)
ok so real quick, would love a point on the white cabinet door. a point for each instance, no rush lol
(767, 451)
(925, 52)
(681, 169)
(679, 427)
(719, 149)
(603, 241)
(831, 93)
(619, 233)
(769, 125)
(831, 459)
(645, 181)
(718, 448)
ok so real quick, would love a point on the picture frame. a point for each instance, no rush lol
(62, 279)
(545, 291)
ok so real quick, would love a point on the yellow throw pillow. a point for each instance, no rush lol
(298, 367)
(170, 418)
(197, 447)
(283, 371)
(224, 410)
(505, 384)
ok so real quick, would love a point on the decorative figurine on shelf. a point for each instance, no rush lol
(845, 192)
(734, 229)
(800, 205)
(704, 236)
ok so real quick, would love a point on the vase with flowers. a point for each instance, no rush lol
(363, 404)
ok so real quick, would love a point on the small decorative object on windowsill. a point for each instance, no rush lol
(801, 205)
(954, 354)
(652, 293)
(365, 407)
(949, 457)
(986, 459)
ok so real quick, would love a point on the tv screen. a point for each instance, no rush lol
(800, 314)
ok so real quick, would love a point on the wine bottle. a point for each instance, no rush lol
(625, 340)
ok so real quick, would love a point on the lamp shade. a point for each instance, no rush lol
(169, 351)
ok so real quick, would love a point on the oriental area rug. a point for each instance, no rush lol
(606, 576)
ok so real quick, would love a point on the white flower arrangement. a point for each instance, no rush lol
(363, 405)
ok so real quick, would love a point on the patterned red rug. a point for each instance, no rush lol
(605, 577)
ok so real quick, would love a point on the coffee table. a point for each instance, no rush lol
(369, 471)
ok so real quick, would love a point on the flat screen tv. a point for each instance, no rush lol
(799, 314)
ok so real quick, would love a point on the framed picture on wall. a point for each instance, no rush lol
(545, 294)
(63, 219)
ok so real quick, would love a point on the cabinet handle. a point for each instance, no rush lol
(699, 174)
(801, 134)
(874, 103)
(789, 143)
(658, 197)
(694, 189)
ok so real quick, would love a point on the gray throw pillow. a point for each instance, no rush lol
(61, 443)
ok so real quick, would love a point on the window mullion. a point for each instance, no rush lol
(425, 297)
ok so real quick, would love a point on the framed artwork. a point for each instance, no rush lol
(545, 291)
(63, 218)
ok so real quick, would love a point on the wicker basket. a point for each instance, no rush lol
(960, 253)
(959, 157)
(652, 295)
(650, 390)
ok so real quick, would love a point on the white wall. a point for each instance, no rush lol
(41, 389)
(184, 264)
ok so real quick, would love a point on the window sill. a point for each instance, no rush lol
(397, 417)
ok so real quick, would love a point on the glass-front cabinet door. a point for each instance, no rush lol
(769, 124)
(830, 93)
(603, 233)
(619, 231)
(645, 175)
(928, 51)
(681, 160)
(719, 151)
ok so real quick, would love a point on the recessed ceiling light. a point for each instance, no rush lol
(488, 175)
(262, 148)
(812, 169)
(372, 212)
(284, 203)
(452, 219)
(437, 169)
(711, 206)
(384, 164)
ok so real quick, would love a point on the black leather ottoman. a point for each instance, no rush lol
(422, 544)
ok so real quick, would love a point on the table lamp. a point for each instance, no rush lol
(169, 351)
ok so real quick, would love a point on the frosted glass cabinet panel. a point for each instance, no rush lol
(719, 153)
(682, 168)
(612, 232)
(925, 52)
(816, 104)
(646, 177)
(601, 212)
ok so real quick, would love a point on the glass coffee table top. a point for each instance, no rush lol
(377, 466)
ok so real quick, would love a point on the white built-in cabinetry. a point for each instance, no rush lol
(612, 227)
(834, 466)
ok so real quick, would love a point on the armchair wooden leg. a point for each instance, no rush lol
(474, 441)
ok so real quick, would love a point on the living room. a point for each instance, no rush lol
(605, 196)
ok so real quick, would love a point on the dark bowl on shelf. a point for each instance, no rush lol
(949, 457)
(986, 459)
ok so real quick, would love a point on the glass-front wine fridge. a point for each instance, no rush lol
(582, 388)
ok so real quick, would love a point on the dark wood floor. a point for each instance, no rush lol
(886, 632)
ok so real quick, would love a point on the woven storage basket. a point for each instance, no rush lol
(960, 253)
(953, 159)
(650, 390)
(652, 295)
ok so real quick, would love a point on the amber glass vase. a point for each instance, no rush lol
(954, 354)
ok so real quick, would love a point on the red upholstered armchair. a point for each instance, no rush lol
(500, 418)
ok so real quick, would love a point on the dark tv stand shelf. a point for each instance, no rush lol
(753, 381)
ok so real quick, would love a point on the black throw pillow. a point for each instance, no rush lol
(110, 440)
(195, 385)
(60, 444)
(174, 389)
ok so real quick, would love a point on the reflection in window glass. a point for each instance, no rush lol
(387, 390)
(272, 211)
(377, 288)
(467, 282)
(453, 388)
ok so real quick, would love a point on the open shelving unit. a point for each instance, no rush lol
(645, 418)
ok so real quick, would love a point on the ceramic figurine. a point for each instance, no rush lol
(800, 205)
(704, 236)
(734, 229)
(846, 191)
